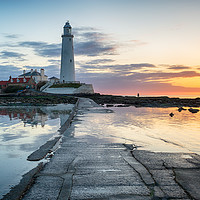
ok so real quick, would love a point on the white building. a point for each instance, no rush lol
(67, 72)
(37, 77)
(53, 79)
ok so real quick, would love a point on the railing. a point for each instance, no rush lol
(47, 85)
(58, 82)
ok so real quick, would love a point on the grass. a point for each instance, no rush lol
(63, 85)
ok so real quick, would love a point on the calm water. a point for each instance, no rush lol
(22, 131)
(148, 128)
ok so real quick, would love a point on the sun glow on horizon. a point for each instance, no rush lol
(190, 82)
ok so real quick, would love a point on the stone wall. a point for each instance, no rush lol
(84, 89)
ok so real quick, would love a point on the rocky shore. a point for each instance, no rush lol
(39, 100)
(109, 100)
(162, 101)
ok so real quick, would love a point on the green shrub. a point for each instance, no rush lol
(63, 85)
(14, 88)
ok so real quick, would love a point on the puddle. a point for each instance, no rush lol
(22, 131)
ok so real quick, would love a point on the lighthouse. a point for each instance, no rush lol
(67, 72)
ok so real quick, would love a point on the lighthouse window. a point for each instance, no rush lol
(70, 60)
(70, 39)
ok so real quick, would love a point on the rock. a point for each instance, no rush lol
(181, 108)
(192, 110)
(171, 114)
(123, 105)
(109, 105)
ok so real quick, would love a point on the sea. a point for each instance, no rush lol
(24, 129)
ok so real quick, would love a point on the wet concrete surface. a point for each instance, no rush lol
(87, 170)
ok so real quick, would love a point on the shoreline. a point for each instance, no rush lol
(162, 101)
(125, 101)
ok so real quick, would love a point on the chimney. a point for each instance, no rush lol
(42, 73)
(31, 70)
(24, 71)
(35, 70)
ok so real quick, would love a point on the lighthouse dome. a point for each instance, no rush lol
(67, 25)
(67, 28)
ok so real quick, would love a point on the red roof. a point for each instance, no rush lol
(15, 81)
(3, 82)
(19, 80)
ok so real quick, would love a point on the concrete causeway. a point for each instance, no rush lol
(88, 170)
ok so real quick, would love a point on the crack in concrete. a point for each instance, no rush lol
(175, 179)
(151, 187)
(174, 174)
(66, 189)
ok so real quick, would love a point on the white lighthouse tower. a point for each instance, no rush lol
(67, 72)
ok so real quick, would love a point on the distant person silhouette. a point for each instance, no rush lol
(138, 95)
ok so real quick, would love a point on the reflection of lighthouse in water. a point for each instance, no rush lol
(69, 131)
(63, 118)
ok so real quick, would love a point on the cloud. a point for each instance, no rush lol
(11, 54)
(91, 42)
(8, 70)
(78, 30)
(54, 61)
(178, 67)
(142, 65)
(88, 42)
(94, 48)
(161, 76)
(97, 36)
(138, 82)
(32, 44)
(42, 48)
(49, 52)
(99, 61)
(120, 69)
(11, 36)
(52, 70)
(119, 79)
